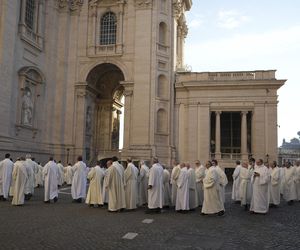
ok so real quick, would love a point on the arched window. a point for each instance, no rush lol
(162, 121)
(30, 14)
(162, 33)
(162, 86)
(108, 29)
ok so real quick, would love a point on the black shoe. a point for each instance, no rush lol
(4, 199)
(55, 199)
(79, 200)
(203, 214)
(221, 213)
(48, 201)
(290, 203)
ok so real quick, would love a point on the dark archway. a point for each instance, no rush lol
(103, 140)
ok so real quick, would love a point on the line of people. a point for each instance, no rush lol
(259, 186)
(255, 185)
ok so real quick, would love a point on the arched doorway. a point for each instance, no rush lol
(103, 113)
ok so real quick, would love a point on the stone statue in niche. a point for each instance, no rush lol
(115, 134)
(88, 124)
(27, 107)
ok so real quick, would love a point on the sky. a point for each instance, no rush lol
(243, 35)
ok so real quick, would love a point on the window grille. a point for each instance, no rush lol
(108, 29)
(29, 13)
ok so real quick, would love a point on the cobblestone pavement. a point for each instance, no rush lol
(66, 225)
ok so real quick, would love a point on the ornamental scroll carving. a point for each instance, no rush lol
(71, 5)
(143, 4)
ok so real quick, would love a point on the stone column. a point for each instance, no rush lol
(181, 132)
(218, 135)
(128, 93)
(244, 150)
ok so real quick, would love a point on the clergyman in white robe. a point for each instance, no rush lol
(51, 175)
(174, 177)
(167, 191)
(39, 177)
(193, 203)
(212, 203)
(275, 185)
(95, 192)
(260, 181)
(182, 199)
(20, 176)
(235, 196)
(200, 174)
(245, 186)
(61, 173)
(31, 170)
(289, 183)
(114, 182)
(6, 168)
(78, 188)
(69, 174)
(222, 180)
(155, 187)
(130, 183)
(144, 177)
(105, 190)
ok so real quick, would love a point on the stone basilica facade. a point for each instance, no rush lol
(69, 69)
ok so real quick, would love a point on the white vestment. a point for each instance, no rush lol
(260, 196)
(155, 194)
(200, 174)
(167, 191)
(6, 168)
(297, 181)
(245, 185)
(275, 186)
(51, 175)
(105, 190)
(39, 177)
(31, 170)
(193, 203)
(222, 181)
(95, 192)
(182, 199)
(20, 176)
(130, 183)
(69, 175)
(174, 177)
(236, 184)
(144, 177)
(212, 201)
(61, 173)
(281, 178)
(114, 182)
(78, 188)
(289, 184)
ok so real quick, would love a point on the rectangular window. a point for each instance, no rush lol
(30, 14)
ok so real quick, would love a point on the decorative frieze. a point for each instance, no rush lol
(74, 6)
(143, 4)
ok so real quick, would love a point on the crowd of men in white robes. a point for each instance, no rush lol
(260, 185)
(256, 186)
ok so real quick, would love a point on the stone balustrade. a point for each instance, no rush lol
(226, 76)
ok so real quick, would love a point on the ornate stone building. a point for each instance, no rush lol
(71, 68)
